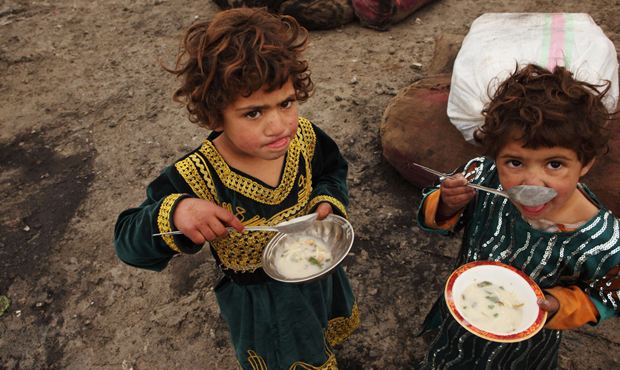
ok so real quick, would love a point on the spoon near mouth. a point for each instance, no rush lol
(527, 195)
(531, 195)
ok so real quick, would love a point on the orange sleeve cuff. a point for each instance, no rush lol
(431, 204)
(576, 308)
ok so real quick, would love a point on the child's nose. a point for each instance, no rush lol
(277, 124)
(533, 178)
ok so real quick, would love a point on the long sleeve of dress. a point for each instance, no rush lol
(590, 303)
(329, 175)
(605, 291)
(576, 308)
(579, 306)
(133, 238)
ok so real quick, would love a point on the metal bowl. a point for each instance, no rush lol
(335, 231)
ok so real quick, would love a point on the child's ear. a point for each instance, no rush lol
(585, 169)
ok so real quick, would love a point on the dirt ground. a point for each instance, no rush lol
(87, 121)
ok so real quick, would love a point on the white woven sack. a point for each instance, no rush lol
(496, 42)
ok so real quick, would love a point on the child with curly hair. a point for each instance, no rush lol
(541, 128)
(260, 165)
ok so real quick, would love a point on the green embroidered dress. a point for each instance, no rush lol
(273, 325)
(494, 230)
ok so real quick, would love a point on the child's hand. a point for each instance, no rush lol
(323, 210)
(455, 194)
(201, 220)
(549, 304)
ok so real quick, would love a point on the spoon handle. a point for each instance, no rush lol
(434, 172)
(256, 228)
(177, 232)
(488, 190)
(475, 186)
(247, 228)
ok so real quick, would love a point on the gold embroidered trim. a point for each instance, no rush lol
(163, 220)
(330, 364)
(258, 363)
(333, 201)
(341, 328)
(244, 252)
(304, 139)
(196, 174)
(251, 188)
(307, 132)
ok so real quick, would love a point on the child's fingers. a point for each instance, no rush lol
(549, 304)
(195, 236)
(214, 226)
(459, 198)
(455, 181)
(456, 203)
(215, 230)
(460, 193)
(323, 210)
(226, 218)
(461, 190)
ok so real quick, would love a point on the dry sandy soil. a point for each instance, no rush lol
(87, 120)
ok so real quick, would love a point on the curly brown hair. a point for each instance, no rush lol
(546, 109)
(237, 53)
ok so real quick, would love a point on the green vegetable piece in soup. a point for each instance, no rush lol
(314, 261)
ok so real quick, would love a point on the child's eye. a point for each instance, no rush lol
(253, 114)
(287, 103)
(554, 165)
(513, 163)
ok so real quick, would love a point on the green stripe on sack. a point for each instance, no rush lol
(545, 42)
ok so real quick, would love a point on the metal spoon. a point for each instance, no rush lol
(527, 195)
(287, 227)
(531, 195)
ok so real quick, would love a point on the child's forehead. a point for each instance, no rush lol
(265, 94)
(518, 148)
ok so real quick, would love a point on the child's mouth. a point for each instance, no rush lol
(533, 210)
(279, 144)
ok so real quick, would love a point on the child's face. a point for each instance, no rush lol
(260, 126)
(555, 167)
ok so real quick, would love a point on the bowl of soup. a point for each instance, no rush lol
(310, 254)
(495, 301)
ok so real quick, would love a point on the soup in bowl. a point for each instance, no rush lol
(495, 301)
(309, 254)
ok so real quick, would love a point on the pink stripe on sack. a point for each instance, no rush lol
(556, 49)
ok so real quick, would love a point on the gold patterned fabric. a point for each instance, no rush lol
(163, 219)
(258, 363)
(330, 364)
(340, 328)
